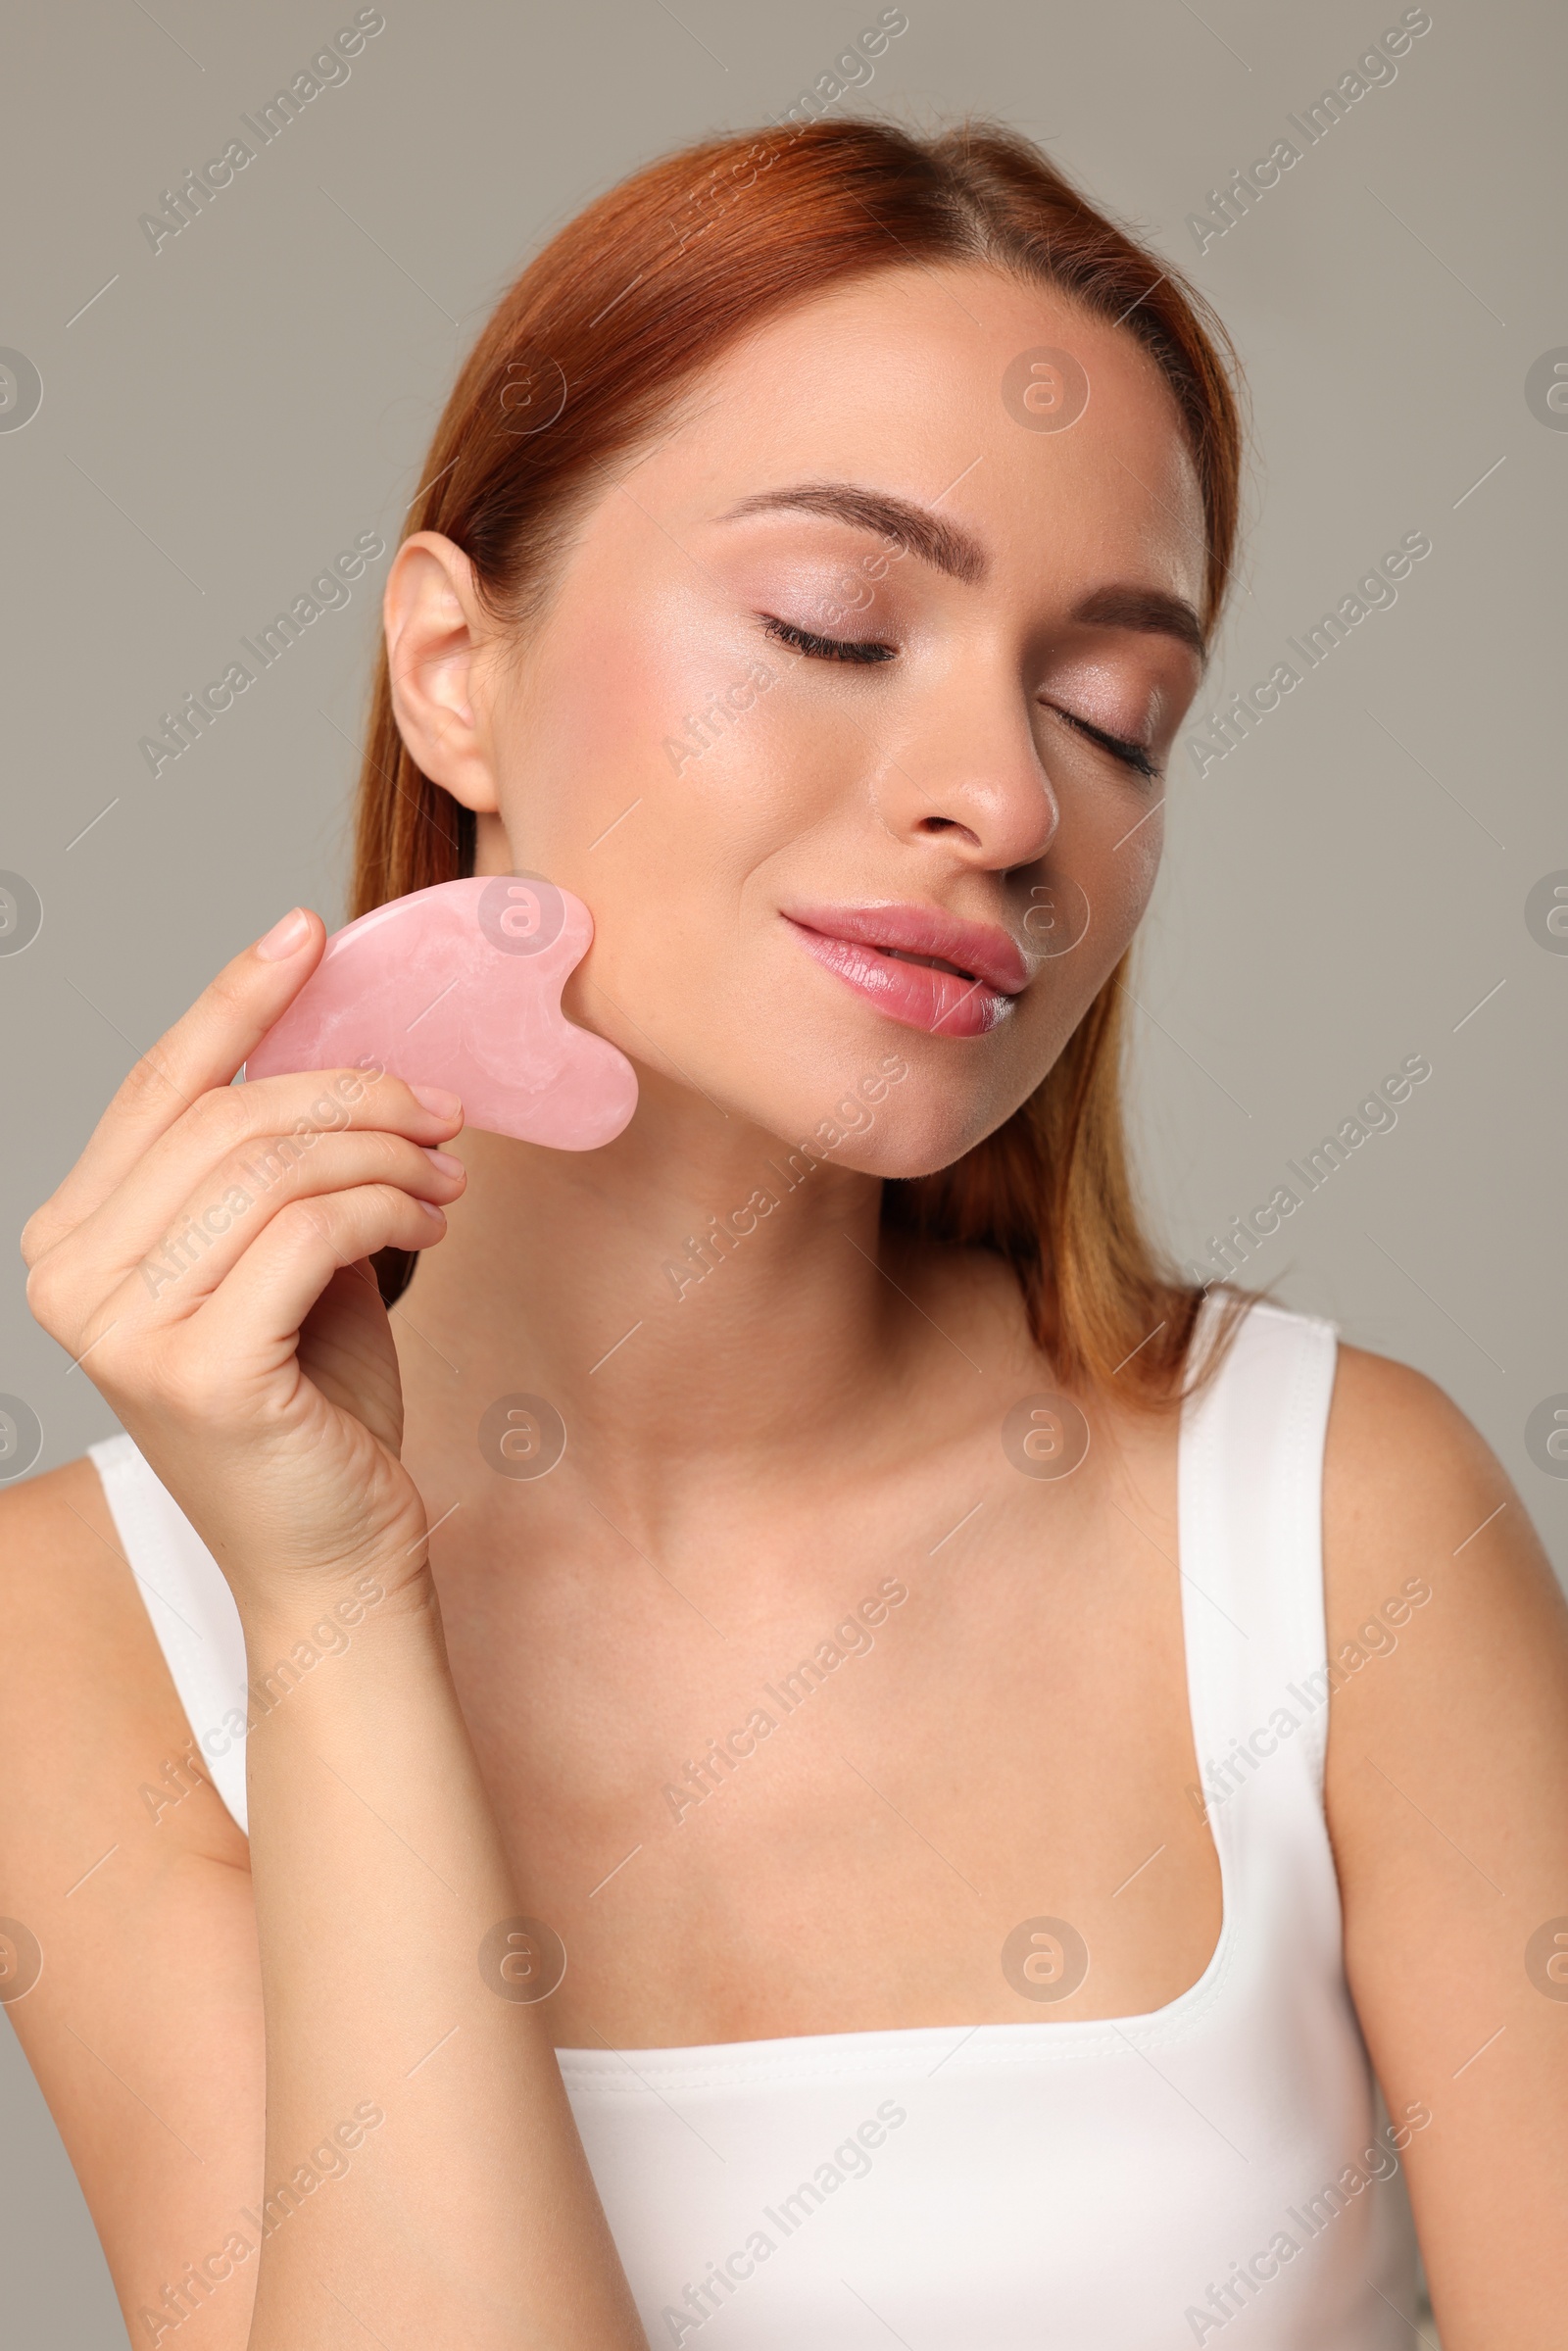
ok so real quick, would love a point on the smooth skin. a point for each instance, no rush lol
(750, 1456)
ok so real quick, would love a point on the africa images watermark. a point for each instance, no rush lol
(328, 1637)
(199, 2282)
(719, 715)
(178, 1250)
(852, 69)
(328, 591)
(329, 69)
(1228, 727)
(1374, 70)
(849, 2160)
(852, 1637)
(269, 1163)
(1377, 1638)
(856, 585)
(706, 1252)
(1245, 1235)
(1314, 2214)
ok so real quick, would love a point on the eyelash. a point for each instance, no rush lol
(1131, 754)
(827, 648)
(868, 653)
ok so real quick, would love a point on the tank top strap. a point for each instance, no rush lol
(1251, 1520)
(191, 1608)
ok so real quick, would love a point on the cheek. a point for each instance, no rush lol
(586, 744)
(653, 772)
(1105, 859)
(1102, 868)
(687, 726)
(1125, 868)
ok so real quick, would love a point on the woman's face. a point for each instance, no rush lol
(850, 713)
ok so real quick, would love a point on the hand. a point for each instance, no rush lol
(206, 1262)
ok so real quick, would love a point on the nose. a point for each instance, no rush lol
(967, 777)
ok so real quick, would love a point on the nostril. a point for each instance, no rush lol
(948, 824)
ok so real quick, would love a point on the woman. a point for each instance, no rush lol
(794, 1611)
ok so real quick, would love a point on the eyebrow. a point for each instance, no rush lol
(1149, 609)
(917, 531)
(912, 530)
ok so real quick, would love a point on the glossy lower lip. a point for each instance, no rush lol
(911, 994)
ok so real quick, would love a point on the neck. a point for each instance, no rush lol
(694, 1276)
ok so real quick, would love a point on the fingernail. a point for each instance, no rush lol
(430, 1209)
(438, 1099)
(285, 938)
(448, 1164)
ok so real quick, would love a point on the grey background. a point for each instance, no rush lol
(1340, 891)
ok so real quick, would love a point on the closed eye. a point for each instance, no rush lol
(852, 649)
(1131, 754)
(826, 649)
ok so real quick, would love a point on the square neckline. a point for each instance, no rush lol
(716, 2064)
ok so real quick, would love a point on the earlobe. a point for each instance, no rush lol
(434, 629)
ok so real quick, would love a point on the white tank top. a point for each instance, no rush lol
(1218, 2169)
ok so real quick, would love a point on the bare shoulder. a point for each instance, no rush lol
(1388, 1421)
(1446, 1628)
(1412, 1491)
(1447, 1765)
(127, 1956)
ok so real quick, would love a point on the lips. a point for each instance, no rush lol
(920, 966)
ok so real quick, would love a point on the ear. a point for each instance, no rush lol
(435, 631)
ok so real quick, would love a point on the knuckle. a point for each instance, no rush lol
(378, 1098)
(334, 1093)
(391, 1153)
(256, 1162)
(307, 1221)
(345, 1219)
(304, 1103)
(352, 1085)
(118, 1367)
(229, 995)
(148, 1084)
(369, 1209)
(44, 1292)
(38, 1234)
(234, 1181)
(224, 1118)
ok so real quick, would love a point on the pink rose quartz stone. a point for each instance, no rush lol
(460, 986)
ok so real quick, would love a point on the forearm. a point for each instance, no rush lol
(466, 2217)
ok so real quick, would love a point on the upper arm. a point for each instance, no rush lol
(144, 2024)
(1446, 1771)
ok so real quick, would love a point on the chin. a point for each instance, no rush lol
(897, 1121)
(901, 1156)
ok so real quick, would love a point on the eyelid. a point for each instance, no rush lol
(1137, 756)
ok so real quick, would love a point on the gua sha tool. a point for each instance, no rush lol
(460, 986)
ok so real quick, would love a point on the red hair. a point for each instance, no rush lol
(589, 352)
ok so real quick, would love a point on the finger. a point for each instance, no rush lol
(236, 1138)
(215, 1224)
(204, 1049)
(257, 1311)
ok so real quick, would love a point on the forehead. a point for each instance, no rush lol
(953, 383)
